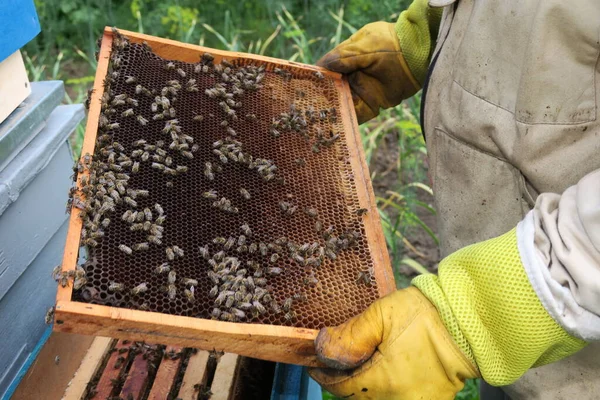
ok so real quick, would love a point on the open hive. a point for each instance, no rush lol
(219, 187)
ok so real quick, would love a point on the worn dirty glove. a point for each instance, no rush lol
(402, 351)
(385, 62)
(478, 317)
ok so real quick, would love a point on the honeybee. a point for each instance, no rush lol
(189, 294)
(241, 240)
(158, 209)
(187, 154)
(116, 287)
(204, 252)
(287, 304)
(154, 239)
(330, 254)
(229, 243)
(148, 214)
(178, 251)
(215, 313)
(160, 219)
(141, 246)
(219, 240)
(158, 117)
(143, 121)
(362, 211)
(139, 289)
(49, 317)
(252, 248)
(311, 212)
(170, 253)
(170, 66)
(364, 277)
(171, 291)
(125, 249)
(263, 249)
(130, 79)
(105, 222)
(162, 268)
(245, 194)
(135, 168)
(319, 75)
(181, 72)
(207, 57)
(127, 113)
(290, 315)
(130, 201)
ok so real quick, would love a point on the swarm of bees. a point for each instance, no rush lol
(240, 265)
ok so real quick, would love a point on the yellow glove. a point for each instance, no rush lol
(482, 299)
(401, 348)
(385, 62)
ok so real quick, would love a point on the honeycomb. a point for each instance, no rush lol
(320, 179)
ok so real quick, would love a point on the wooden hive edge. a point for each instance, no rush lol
(266, 342)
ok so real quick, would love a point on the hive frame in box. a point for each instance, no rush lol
(269, 342)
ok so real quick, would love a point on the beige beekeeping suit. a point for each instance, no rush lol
(511, 111)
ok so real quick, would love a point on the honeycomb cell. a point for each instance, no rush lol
(323, 180)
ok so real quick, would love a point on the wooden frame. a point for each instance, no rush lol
(269, 342)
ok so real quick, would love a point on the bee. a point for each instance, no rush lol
(361, 211)
(204, 252)
(172, 277)
(105, 222)
(158, 166)
(178, 251)
(160, 219)
(49, 316)
(187, 154)
(229, 243)
(130, 201)
(231, 131)
(287, 304)
(143, 121)
(154, 239)
(139, 289)
(195, 148)
(170, 253)
(311, 212)
(148, 214)
(330, 254)
(245, 194)
(219, 240)
(251, 117)
(215, 313)
(181, 72)
(241, 240)
(274, 270)
(319, 75)
(189, 295)
(181, 169)
(125, 249)
(116, 287)
(141, 246)
(252, 248)
(171, 291)
(79, 283)
(290, 315)
(127, 113)
(162, 268)
(158, 117)
(170, 66)
(263, 249)
(207, 57)
(364, 277)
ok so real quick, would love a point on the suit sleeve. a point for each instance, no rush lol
(559, 243)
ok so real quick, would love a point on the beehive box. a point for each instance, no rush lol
(212, 125)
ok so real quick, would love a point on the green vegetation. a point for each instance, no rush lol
(296, 30)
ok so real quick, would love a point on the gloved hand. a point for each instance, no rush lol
(377, 72)
(401, 348)
(479, 316)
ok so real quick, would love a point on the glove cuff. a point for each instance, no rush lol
(417, 29)
(486, 302)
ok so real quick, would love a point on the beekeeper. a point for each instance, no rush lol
(510, 116)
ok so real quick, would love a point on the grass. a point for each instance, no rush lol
(297, 31)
